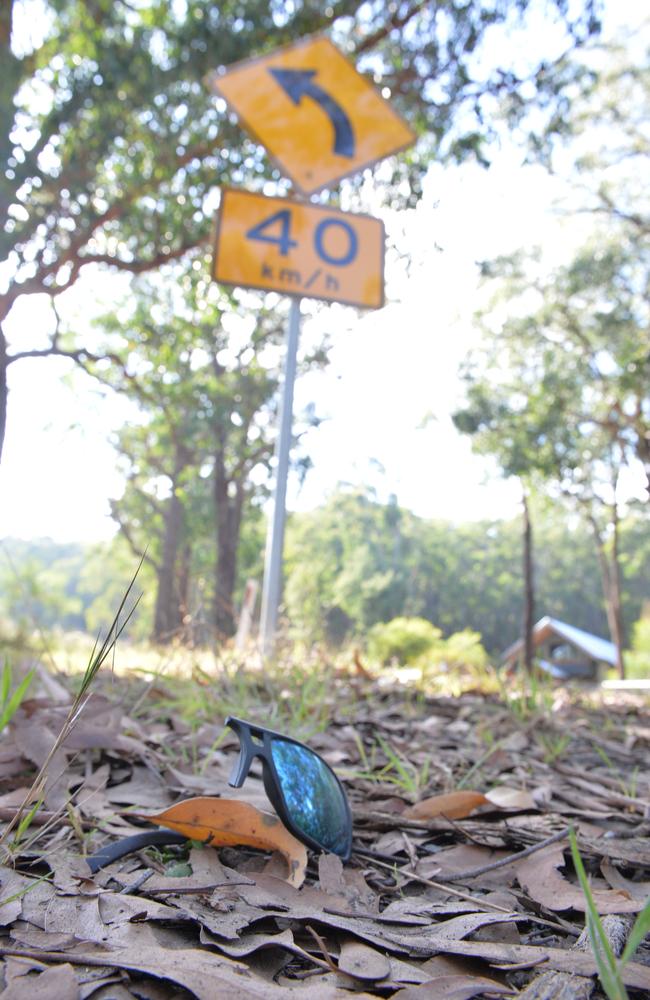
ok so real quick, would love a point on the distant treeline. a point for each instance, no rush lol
(349, 564)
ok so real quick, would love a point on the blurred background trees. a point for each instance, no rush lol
(342, 577)
(559, 388)
(112, 153)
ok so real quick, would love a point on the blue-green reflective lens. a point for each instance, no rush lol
(313, 797)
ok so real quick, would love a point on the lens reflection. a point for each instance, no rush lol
(313, 797)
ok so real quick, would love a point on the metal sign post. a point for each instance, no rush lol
(275, 537)
(321, 120)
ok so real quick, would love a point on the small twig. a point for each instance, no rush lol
(503, 862)
(457, 828)
(472, 899)
(139, 882)
(642, 830)
(56, 956)
(150, 862)
(327, 960)
(8, 813)
(390, 821)
(518, 966)
(438, 885)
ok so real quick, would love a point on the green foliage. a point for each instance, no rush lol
(464, 649)
(450, 662)
(404, 640)
(354, 562)
(381, 763)
(347, 566)
(638, 659)
(290, 694)
(610, 967)
(39, 584)
(206, 396)
(559, 391)
(46, 585)
(103, 578)
(10, 701)
(112, 143)
(460, 577)
(528, 697)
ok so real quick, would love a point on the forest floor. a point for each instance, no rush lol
(463, 802)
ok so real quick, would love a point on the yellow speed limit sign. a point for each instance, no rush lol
(282, 245)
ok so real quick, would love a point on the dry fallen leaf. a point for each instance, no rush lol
(363, 962)
(634, 890)
(227, 822)
(453, 988)
(510, 798)
(539, 876)
(238, 932)
(59, 982)
(454, 805)
(459, 805)
(564, 960)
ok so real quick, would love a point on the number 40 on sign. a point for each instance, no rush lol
(278, 244)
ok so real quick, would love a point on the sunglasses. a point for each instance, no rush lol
(304, 791)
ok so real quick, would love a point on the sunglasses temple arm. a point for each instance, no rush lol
(240, 769)
(242, 765)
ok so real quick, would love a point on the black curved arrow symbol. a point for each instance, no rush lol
(299, 83)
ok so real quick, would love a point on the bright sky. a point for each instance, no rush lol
(389, 371)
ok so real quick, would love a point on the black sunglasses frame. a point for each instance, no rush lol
(255, 741)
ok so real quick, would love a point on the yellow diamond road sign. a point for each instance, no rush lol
(282, 245)
(315, 114)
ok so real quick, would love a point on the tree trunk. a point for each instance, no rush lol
(183, 577)
(168, 617)
(4, 389)
(611, 581)
(529, 586)
(643, 453)
(617, 604)
(228, 503)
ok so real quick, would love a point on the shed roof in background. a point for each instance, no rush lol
(598, 649)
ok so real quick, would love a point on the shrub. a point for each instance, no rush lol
(402, 639)
(464, 649)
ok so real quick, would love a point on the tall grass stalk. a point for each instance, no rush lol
(98, 657)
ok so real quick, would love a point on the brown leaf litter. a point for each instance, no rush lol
(461, 884)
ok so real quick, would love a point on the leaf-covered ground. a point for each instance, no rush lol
(471, 895)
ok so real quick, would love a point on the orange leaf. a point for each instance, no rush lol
(230, 822)
(455, 805)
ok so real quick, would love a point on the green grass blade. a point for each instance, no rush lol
(637, 934)
(608, 968)
(609, 975)
(6, 683)
(28, 888)
(26, 822)
(10, 707)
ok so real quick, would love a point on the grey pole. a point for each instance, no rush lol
(275, 536)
